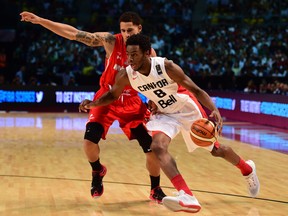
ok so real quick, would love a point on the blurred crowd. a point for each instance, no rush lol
(234, 45)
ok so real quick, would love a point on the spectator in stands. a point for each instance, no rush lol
(3, 81)
(20, 75)
(236, 69)
(32, 81)
(3, 58)
(261, 51)
(263, 87)
(251, 87)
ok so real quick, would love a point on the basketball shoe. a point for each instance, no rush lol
(182, 202)
(252, 180)
(97, 188)
(157, 194)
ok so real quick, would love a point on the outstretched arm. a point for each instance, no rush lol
(177, 74)
(113, 94)
(105, 39)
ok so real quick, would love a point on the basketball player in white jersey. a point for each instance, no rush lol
(159, 79)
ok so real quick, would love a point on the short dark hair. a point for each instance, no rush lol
(139, 39)
(130, 16)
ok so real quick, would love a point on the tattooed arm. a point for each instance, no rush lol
(105, 39)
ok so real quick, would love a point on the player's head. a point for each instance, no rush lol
(138, 49)
(130, 24)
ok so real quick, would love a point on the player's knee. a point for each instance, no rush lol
(158, 148)
(93, 132)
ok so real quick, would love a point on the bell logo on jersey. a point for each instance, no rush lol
(168, 102)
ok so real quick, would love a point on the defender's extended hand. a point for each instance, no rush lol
(30, 17)
(83, 104)
(91, 105)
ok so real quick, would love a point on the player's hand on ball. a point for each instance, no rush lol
(82, 105)
(219, 121)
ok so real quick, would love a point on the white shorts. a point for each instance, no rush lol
(172, 123)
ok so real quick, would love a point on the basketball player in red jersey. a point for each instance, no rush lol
(128, 109)
(158, 79)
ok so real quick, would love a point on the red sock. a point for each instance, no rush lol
(244, 167)
(180, 184)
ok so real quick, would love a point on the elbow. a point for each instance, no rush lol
(111, 97)
(71, 35)
(114, 98)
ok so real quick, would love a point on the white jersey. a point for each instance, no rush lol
(158, 87)
(178, 110)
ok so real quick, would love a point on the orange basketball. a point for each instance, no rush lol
(203, 132)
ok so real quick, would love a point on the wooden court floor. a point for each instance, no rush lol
(43, 171)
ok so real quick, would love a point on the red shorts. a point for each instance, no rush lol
(129, 110)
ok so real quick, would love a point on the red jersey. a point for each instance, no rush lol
(129, 110)
(116, 62)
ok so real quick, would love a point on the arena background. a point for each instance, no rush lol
(237, 51)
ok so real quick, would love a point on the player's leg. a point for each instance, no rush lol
(185, 201)
(164, 128)
(152, 162)
(93, 133)
(131, 119)
(247, 168)
(91, 148)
